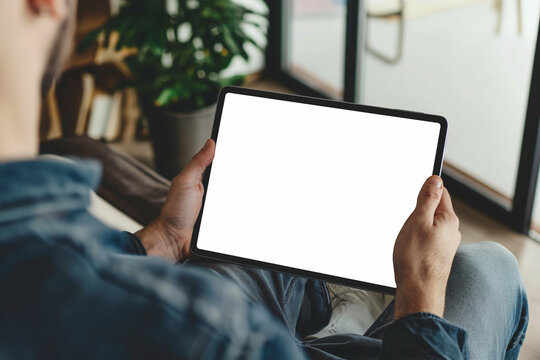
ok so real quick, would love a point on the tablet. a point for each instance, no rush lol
(313, 187)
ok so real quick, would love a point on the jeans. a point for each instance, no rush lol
(485, 296)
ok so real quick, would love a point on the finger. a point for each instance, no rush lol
(445, 206)
(429, 197)
(445, 210)
(198, 164)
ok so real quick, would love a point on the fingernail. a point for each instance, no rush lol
(206, 144)
(436, 181)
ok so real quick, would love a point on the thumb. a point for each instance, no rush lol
(430, 196)
(198, 163)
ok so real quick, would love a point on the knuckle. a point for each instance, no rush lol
(177, 178)
(452, 219)
(199, 163)
(178, 181)
(430, 194)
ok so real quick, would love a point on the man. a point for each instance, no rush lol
(73, 288)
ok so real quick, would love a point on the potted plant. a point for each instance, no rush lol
(182, 48)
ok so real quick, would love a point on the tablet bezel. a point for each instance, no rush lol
(320, 102)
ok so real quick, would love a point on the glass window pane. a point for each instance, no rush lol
(314, 43)
(467, 60)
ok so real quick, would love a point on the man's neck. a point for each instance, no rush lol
(19, 130)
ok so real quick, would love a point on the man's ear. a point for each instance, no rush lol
(54, 8)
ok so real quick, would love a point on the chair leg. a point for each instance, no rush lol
(400, 13)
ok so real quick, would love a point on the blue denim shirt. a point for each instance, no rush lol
(70, 287)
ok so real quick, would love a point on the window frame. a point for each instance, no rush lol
(518, 215)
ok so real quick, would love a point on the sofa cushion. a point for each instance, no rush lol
(131, 187)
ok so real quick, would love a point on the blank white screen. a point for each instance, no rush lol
(314, 188)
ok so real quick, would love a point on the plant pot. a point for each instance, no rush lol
(177, 136)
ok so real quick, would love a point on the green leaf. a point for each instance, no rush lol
(235, 80)
(143, 24)
(229, 41)
(165, 97)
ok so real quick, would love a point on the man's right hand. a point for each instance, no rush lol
(424, 252)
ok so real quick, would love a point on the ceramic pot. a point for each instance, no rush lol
(177, 136)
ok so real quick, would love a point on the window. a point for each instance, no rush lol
(468, 60)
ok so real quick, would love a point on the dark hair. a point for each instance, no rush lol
(61, 48)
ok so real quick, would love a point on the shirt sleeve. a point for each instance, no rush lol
(424, 336)
(129, 244)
